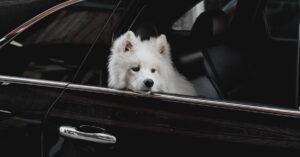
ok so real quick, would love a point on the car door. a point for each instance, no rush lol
(90, 119)
(94, 121)
(38, 59)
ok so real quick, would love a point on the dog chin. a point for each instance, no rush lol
(141, 91)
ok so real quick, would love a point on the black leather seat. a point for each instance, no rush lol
(209, 29)
(224, 61)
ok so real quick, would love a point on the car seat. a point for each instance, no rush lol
(224, 60)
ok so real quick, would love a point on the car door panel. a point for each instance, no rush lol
(156, 125)
(23, 105)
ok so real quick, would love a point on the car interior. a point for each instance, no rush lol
(232, 55)
(227, 55)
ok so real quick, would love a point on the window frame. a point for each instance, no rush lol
(197, 101)
(297, 92)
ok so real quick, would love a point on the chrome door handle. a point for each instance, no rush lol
(72, 132)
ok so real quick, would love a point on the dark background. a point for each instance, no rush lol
(15, 12)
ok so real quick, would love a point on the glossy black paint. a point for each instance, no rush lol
(20, 129)
(155, 126)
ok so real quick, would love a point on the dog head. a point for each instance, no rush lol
(139, 65)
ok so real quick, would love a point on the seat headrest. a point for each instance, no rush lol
(209, 27)
(145, 30)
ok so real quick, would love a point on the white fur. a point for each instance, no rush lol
(128, 52)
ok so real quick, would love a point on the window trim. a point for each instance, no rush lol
(297, 96)
(6, 80)
(191, 100)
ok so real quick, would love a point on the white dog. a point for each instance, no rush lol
(145, 66)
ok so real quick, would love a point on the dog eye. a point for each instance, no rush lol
(153, 70)
(135, 69)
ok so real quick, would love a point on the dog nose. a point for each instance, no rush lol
(148, 83)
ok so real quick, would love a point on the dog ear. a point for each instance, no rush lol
(124, 43)
(129, 41)
(163, 45)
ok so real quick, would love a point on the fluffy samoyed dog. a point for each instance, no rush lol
(145, 66)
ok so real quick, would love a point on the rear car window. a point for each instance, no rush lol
(282, 18)
(53, 48)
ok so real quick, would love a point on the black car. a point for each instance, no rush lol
(242, 57)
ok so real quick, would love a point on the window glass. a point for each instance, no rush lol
(94, 70)
(282, 18)
(53, 48)
(186, 22)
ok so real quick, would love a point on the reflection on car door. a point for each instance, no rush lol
(23, 104)
(144, 125)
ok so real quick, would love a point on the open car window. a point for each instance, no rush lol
(230, 64)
